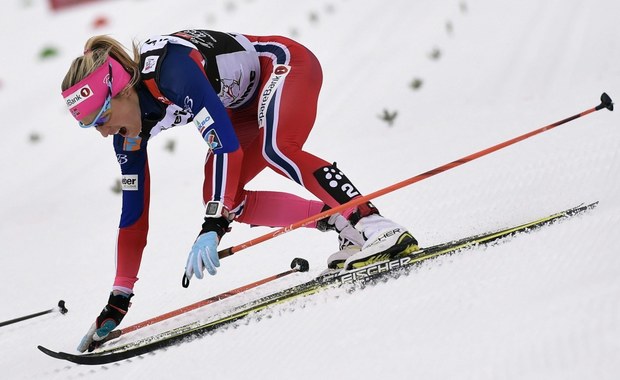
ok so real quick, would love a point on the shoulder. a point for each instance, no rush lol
(163, 65)
(164, 53)
(155, 50)
(180, 69)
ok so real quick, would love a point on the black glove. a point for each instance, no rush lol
(110, 317)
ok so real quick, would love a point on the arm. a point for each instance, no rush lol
(183, 81)
(133, 228)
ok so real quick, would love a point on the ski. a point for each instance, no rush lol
(330, 279)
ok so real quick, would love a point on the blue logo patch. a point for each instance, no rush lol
(132, 144)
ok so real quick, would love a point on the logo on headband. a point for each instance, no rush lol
(78, 96)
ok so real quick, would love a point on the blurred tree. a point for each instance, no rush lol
(34, 137)
(48, 52)
(170, 146)
(100, 22)
(60, 4)
(116, 188)
(416, 83)
(388, 116)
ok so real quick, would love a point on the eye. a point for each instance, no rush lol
(103, 119)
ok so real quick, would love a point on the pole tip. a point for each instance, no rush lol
(300, 264)
(606, 102)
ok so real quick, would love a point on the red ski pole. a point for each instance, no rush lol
(297, 265)
(606, 102)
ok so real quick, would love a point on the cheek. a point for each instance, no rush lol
(126, 114)
(122, 112)
(131, 117)
(134, 121)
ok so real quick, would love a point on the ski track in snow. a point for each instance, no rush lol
(545, 305)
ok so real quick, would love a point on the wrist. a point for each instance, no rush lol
(214, 209)
(117, 307)
(120, 301)
(217, 219)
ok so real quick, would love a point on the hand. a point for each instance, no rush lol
(110, 317)
(203, 255)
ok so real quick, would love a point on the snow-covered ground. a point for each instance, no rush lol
(544, 306)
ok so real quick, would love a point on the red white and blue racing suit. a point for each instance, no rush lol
(253, 101)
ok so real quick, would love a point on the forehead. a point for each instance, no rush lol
(89, 94)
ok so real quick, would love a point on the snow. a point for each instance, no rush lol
(545, 305)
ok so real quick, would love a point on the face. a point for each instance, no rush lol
(123, 117)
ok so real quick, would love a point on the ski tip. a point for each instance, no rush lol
(581, 208)
(78, 359)
(49, 352)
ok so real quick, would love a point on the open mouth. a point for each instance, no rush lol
(123, 131)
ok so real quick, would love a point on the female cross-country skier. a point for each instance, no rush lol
(254, 101)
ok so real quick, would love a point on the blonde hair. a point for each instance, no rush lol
(96, 51)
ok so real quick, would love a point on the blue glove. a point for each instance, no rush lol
(203, 255)
(110, 317)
